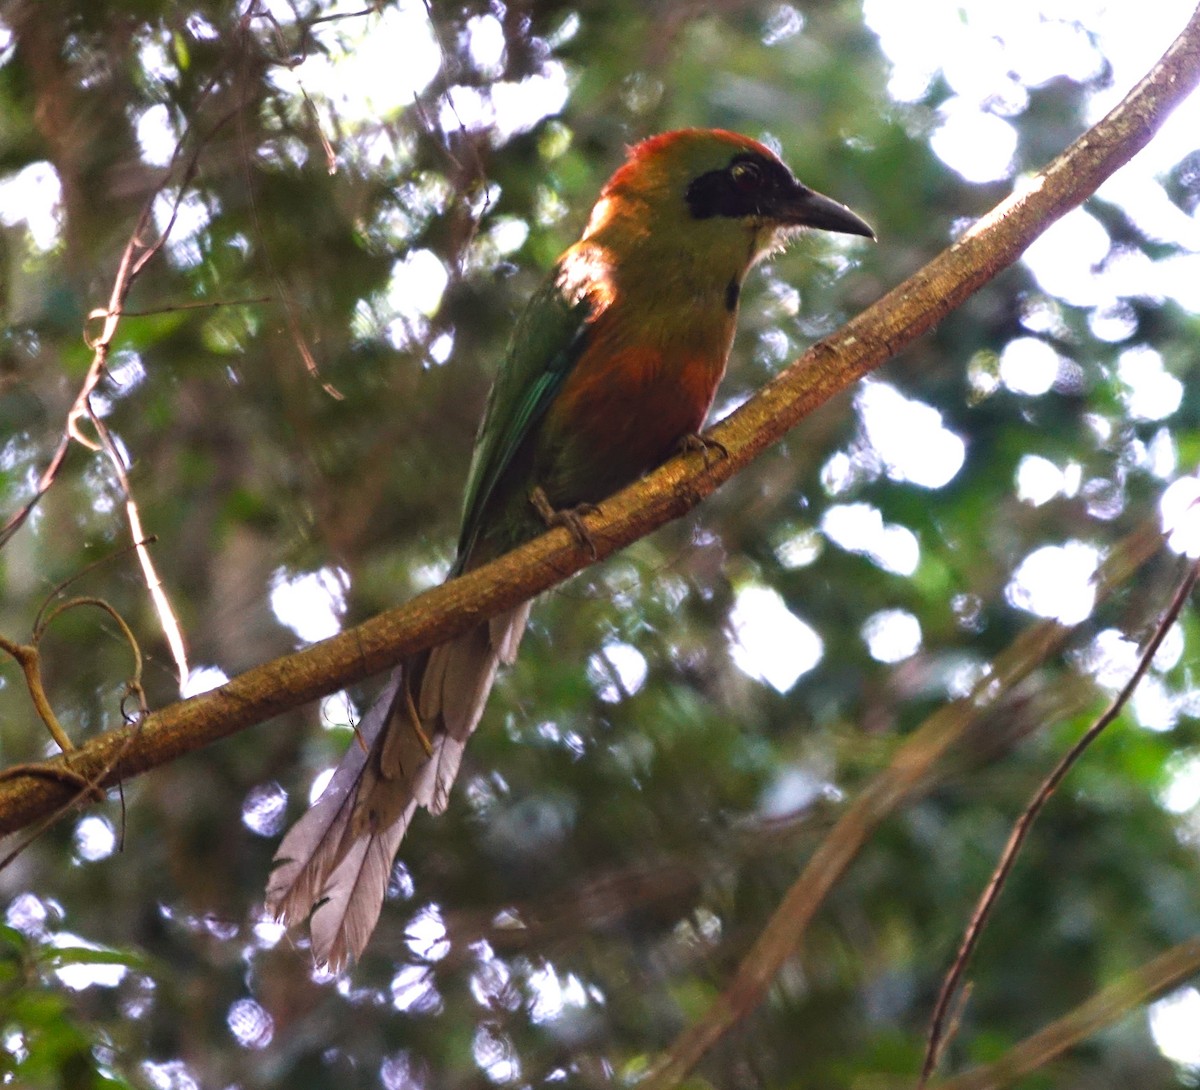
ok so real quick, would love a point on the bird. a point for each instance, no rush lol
(612, 367)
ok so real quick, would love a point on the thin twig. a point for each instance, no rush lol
(199, 304)
(126, 631)
(28, 658)
(86, 785)
(1024, 823)
(297, 58)
(909, 771)
(38, 624)
(134, 258)
(291, 311)
(1105, 1008)
(89, 786)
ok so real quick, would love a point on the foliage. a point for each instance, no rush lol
(639, 798)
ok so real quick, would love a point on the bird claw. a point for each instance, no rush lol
(414, 721)
(712, 449)
(570, 517)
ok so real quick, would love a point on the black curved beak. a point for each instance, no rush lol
(806, 207)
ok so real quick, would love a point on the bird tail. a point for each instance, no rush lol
(334, 864)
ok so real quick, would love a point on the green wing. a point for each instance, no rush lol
(549, 337)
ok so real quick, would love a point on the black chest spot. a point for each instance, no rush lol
(733, 291)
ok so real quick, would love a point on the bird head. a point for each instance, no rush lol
(713, 194)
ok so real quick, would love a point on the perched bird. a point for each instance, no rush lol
(612, 366)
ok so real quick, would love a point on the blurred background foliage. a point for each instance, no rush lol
(383, 190)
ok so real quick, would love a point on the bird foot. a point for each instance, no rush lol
(414, 721)
(712, 449)
(570, 517)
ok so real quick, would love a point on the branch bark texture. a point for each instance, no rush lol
(988, 247)
(826, 369)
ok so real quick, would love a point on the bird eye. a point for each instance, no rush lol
(746, 176)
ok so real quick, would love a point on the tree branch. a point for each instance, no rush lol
(1107, 1006)
(908, 773)
(827, 368)
(939, 1031)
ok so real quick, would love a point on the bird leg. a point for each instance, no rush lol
(570, 517)
(694, 443)
(414, 721)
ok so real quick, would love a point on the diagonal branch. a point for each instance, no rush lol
(1106, 1007)
(939, 1032)
(827, 368)
(909, 773)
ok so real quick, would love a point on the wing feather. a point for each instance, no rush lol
(334, 864)
(547, 342)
